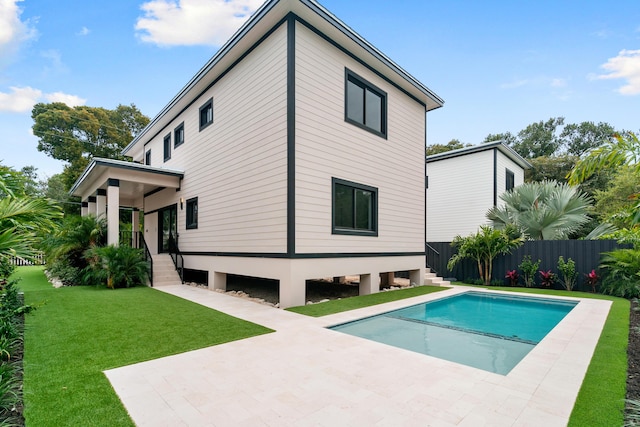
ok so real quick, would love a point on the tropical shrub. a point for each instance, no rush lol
(621, 272)
(513, 277)
(592, 280)
(529, 269)
(545, 210)
(483, 247)
(569, 273)
(548, 278)
(116, 266)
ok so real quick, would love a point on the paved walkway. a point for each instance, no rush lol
(306, 375)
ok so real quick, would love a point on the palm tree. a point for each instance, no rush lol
(623, 150)
(483, 247)
(545, 210)
(21, 219)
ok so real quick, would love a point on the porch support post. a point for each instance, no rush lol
(84, 210)
(113, 217)
(369, 283)
(91, 210)
(416, 277)
(135, 227)
(101, 202)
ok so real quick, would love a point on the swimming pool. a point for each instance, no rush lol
(485, 330)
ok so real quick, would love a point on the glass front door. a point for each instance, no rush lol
(168, 229)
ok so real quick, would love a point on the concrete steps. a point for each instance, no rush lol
(164, 272)
(434, 280)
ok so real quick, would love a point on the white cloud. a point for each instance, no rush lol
(558, 82)
(192, 22)
(514, 84)
(70, 100)
(13, 31)
(83, 31)
(624, 66)
(22, 99)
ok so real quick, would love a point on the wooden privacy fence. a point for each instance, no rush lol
(585, 253)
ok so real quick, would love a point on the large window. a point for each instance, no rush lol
(167, 147)
(178, 135)
(206, 114)
(355, 208)
(192, 213)
(511, 180)
(365, 105)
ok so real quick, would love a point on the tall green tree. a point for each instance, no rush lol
(545, 210)
(454, 144)
(539, 139)
(509, 138)
(615, 203)
(578, 139)
(77, 134)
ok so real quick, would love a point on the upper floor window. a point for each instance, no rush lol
(355, 208)
(167, 147)
(365, 105)
(147, 158)
(511, 181)
(206, 114)
(178, 135)
(192, 213)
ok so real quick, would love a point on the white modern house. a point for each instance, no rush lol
(296, 152)
(464, 184)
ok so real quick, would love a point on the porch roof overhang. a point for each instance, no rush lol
(135, 179)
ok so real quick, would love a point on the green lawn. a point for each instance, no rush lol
(77, 332)
(601, 398)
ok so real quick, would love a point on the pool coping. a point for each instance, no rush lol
(305, 374)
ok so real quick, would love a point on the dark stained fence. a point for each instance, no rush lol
(585, 253)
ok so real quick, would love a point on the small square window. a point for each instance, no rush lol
(365, 105)
(511, 181)
(355, 208)
(192, 213)
(167, 147)
(178, 135)
(206, 114)
(147, 158)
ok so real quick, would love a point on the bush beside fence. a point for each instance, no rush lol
(585, 254)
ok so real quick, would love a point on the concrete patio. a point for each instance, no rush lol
(306, 375)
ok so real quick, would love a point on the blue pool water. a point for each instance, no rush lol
(487, 331)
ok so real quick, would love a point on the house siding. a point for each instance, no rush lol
(459, 195)
(327, 147)
(237, 166)
(505, 163)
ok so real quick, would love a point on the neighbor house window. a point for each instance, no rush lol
(511, 180)
(355, 208)
(192, 213)
(365, 105)
(167, 147)
(178, 135)
(147, 158)
(206, 114)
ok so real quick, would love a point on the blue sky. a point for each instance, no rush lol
(499, 65)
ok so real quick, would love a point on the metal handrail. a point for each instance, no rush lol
(147, 256)
(428, 246)
(176, 257)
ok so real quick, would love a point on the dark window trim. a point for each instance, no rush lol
(147, 158)
(206, 105)
(193, 224)
(166, 147)
(353, 77)
(512, 181)
(352, 231)
(175, 135)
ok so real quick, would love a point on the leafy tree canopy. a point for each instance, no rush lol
(507, 137)
(539, 139)
(454, 144)
(76, 135)
(615, 203)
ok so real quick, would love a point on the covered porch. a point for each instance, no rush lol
(106, 185)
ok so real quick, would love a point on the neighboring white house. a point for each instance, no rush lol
(464, 184)
(296, 152)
